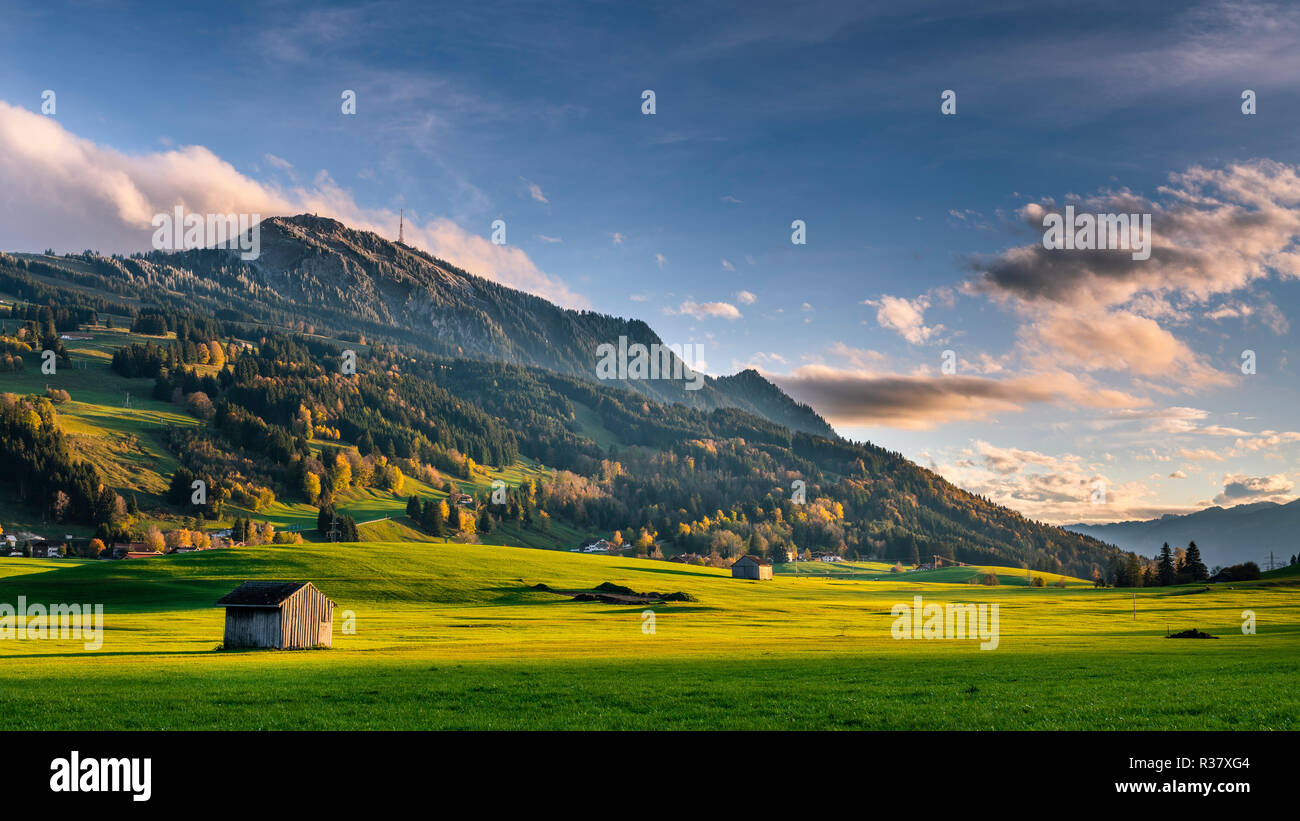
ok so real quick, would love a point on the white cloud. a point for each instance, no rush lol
(745, 298)
(719, 310)
(905, 316)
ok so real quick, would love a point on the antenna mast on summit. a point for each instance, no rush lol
(401, 228)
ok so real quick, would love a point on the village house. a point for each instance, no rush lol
(43, 549)
(119, 550)
(278, 615)
(688, 558)
(751, 567)
(598, 546)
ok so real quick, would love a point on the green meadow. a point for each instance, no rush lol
(453, 636)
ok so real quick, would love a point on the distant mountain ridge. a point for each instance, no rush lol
(320, 267)
(1244, 533)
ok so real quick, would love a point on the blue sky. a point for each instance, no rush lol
(1068, 375)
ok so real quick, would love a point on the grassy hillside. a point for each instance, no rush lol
(966, 574)
(453, 636)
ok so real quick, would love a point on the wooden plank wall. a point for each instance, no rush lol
(252, 627)
(306, 619)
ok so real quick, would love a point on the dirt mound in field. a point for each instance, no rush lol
(611, 593)
(1191, 634)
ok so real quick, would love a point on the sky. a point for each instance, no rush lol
(1086, 386)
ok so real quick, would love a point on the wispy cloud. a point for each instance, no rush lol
(534, 191)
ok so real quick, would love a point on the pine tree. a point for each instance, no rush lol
(348, 526)
(1133, 571)
(1166, 574)
(432, 520)
(1195, 568)
(413, 508)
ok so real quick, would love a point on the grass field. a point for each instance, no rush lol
(452, 636)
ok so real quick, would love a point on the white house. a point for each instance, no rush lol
(598, 546)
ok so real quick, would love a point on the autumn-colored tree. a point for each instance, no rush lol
(311, 486)
(154, 541)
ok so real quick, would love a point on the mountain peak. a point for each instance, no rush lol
(333, 275)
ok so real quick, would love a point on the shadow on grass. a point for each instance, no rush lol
(671, 572)
(101, 654)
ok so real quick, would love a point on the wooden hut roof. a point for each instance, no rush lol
(261, 594)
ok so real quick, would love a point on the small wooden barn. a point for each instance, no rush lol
(751, 567)
(278, 615)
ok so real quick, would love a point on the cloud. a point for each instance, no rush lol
(905, 316)
(863, 397)
(68, 193)
(1239, 489)
(548, 240)
(617, 238)
(1116, 341)
(1268, 439)
(731, 199)
(535, 191)
(859, 358)
(745, 298)
(1215, 231)
(758, 360)
(661, 260)
(1178, 474)
(720, 310)
(1050, 488)
(1200, 455)
(277, 162)
(727, 266)
(1266, 313)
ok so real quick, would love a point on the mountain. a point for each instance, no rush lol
(338, 277)
(1245, 533)
(458, 381)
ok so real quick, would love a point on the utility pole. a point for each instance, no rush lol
(401, 228)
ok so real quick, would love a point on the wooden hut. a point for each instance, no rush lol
(279, 615)
(751, 567)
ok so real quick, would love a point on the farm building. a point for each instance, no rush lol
(751, 567)
(279, 615)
